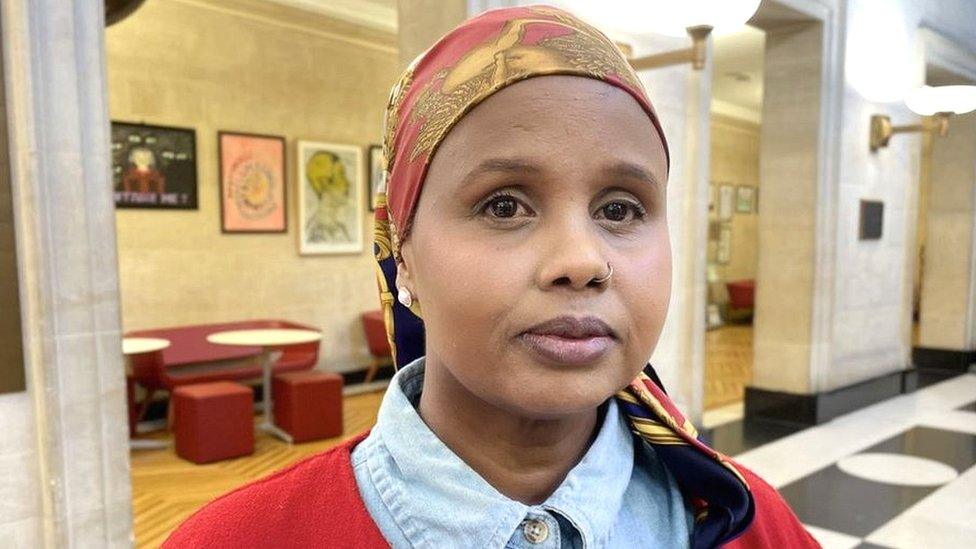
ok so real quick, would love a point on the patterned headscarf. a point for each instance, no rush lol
(481, 56)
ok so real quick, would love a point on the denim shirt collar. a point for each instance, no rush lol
(433, 494)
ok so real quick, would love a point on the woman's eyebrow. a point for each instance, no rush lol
(629, 170)
(504, 165)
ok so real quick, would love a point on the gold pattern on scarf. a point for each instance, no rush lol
(584, 51)
(392, 115)
(381, 231)
(665, 429)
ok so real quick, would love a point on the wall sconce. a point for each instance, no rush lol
(694, 55)
(936, 104)
(697, 18)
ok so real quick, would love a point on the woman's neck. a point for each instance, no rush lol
(523, 458)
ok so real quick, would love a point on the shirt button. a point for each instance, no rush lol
(535, 530)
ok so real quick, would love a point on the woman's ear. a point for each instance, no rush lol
(406, 292)
(403, 278)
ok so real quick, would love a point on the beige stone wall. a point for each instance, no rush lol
(788, 169)
(735, 161)
(258, 67)
(950, 220)
(423, 22)
(872, 279)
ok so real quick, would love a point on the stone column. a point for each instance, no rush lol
(65, 230)
(947, 335)
(788, 162)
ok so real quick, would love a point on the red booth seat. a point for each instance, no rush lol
(190, 358)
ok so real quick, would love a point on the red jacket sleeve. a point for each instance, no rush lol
(314, 503)
(775, 525)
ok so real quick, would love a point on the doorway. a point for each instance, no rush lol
(736, 116)
(763, 272)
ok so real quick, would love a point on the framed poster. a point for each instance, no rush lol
(724, 245)
(252, 183)
(376, 174)
(154, 166)
(725, 199)
(329, 204)
(745, 199)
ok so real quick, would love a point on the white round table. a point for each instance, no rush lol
(137, 346)
(267, 339)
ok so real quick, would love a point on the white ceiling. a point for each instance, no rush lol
(737, 77)
(378, 14)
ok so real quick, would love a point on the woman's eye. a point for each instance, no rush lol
(618, 210)
(502, 206)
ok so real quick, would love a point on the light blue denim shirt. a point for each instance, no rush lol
(421, 494)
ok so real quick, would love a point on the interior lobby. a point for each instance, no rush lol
(188, 197)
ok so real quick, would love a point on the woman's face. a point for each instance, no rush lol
(526, 200)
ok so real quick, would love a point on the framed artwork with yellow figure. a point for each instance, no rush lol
(330, 213)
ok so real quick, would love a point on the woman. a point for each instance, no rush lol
(526, 225)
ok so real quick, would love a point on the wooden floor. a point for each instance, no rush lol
(728, 364)
(167, 489)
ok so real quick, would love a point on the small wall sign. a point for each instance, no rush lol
(871, 220)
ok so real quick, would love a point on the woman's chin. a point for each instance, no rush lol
(545, 399)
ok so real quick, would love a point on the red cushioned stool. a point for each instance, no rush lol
(308, 404)
(213, 421)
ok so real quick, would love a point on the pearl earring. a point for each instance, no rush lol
(404, 297)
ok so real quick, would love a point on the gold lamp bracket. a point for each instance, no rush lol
(694, 55)
(882, 129)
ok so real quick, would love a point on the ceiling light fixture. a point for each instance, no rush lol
(696, 18)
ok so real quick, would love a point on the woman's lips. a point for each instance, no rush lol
(570, 351)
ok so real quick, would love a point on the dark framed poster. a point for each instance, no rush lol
(252, 183)
(154, 166)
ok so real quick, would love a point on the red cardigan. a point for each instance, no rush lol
(316, 503)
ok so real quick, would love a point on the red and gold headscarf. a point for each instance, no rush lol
(481, 56)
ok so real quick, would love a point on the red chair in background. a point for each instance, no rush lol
(145, 367)
(379, 346)
(742, 293)
(191, 359)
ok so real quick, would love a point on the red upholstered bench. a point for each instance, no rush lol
(308, 405)
(213, 421)
(190, 358)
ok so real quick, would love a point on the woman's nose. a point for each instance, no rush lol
(572, 255)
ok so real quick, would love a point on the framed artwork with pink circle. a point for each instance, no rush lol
(253, 197)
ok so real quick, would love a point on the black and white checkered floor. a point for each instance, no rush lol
(898, 474)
